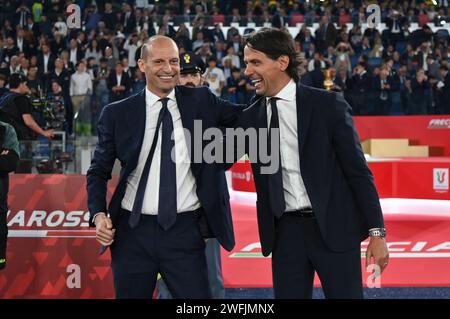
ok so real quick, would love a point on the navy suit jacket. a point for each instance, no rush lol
(121, 131)
(335, 173)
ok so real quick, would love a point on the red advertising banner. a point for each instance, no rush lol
(424, 178)
(431, 130)
(52, 252)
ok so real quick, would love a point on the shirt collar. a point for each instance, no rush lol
(288, 92)
(152, 98)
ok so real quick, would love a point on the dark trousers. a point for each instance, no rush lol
(214, 265)
(299, 252)
(178, 254)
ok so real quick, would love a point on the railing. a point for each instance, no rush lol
(56, 156)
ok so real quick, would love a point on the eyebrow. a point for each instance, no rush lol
(251, 61)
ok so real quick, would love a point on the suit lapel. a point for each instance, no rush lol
(304, 110)
(135, 118)
(189, 112)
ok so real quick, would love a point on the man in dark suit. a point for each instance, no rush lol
(160, 214)
(46, 61)
(394, 23)
(361, 84)
(128, 19)
(326, 34)
(320, 202)
(119, 83)
(22, 44)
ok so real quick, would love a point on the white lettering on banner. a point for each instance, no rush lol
(74, 279)
(439, 124)
(38, 216)
(44, 219)
(238, 175)
(443, 246)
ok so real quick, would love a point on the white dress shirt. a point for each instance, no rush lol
(295, 194)
(20, 44)
(80, 84)
(46, 58)
(119, 78)
(187, 199)
(73, 56)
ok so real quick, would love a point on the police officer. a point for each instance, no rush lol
(191, 70)
(191, 74)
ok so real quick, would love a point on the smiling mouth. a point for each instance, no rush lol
(166, 77)
(257, 83)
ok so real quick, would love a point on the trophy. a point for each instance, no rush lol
(329, 75)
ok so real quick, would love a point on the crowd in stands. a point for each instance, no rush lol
(381, 72)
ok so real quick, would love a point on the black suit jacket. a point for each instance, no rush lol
(50, 65)
(125, 81)
(26, 49)
(131, 23)
(121, 129)
(335, 173)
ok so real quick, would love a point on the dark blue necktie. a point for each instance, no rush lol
(277, 203)
(167, 176)
(167, 204)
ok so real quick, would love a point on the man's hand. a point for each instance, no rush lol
(49, 133)
(104, 231)
(377, 250)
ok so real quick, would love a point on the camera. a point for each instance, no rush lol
(50, 112)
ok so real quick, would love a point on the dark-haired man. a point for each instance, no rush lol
(321, 202)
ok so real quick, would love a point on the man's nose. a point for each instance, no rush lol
(248, 71)
(167, 67)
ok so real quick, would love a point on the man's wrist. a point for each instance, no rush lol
(97, 215)
(377, 232)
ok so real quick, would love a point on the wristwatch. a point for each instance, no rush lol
(377, 232)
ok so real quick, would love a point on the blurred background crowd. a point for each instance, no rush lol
(400, 67)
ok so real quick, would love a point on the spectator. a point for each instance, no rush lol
(382, 86)
(419, 93)
(326, 34)
(80, 91)
(214, 77)
(75, 53)
(34, 83)
(119, 83)
(233, 57)
(361, 85)
(403, 88)
(444, 90)
(93, 51)
(236, 86)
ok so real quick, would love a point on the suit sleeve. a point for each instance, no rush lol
(354, 165)
(227, 113)
(102, 164)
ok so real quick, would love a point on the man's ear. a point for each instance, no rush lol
(141, 64)
(283, 60)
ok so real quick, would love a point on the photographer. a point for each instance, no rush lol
(9, 156)
(16, 108)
